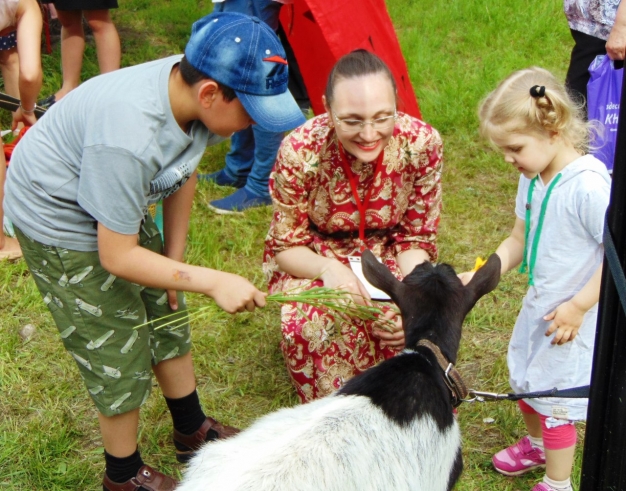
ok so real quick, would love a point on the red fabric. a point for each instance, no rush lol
(9, 147)
(321, 31)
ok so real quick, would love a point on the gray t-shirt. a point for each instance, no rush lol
(102, 154)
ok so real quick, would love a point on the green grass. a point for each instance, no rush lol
(456, 52)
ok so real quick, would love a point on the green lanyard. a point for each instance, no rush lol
(542, 214)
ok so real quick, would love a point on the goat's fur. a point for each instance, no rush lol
(390, 428)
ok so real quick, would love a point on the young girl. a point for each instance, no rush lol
(557, 237)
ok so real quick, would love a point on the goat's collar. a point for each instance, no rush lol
(451, 376)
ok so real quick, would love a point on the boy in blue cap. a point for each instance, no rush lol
(78, 191)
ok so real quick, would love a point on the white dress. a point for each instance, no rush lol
(569, 252)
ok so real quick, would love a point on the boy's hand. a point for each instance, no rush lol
(234, 293)
(567, 319)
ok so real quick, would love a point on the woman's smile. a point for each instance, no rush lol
(368, 146)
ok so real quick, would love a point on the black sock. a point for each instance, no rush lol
(122, 469)
(187, 414)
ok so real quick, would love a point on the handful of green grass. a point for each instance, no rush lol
(338, 302)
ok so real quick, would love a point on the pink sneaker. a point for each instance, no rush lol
(542, 486)
(519, 459)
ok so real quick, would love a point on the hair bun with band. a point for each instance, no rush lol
(537, 91)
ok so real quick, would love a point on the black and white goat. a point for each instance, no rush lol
(390, 428)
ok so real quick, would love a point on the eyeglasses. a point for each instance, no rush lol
(354, 125)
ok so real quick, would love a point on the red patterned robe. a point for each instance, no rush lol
(314, 207)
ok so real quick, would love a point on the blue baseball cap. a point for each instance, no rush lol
(243, 53)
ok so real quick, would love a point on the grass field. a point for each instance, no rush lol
(456, 52)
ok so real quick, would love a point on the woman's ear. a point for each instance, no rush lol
(208, 90)
(327, 108)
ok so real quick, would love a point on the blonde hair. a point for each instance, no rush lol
(511, 107)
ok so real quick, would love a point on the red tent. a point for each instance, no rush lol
(321, 31)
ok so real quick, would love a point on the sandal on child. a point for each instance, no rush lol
(210, 430)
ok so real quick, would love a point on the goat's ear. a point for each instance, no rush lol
(379, 275)
(484, 280)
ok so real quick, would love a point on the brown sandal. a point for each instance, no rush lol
(146, 478)
(210, 430)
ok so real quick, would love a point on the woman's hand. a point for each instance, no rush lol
(339, 276)
(566, 321)
(395, 339)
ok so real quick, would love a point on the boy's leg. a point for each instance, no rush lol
(72, 49)
(172, 364)
(108, 47)
(176, 376)
(96, 315)
(119, 433)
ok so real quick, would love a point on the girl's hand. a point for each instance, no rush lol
(567, 319)
(394, 339)
(341, 277)
(466, 277)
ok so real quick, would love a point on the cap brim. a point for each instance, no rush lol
(273, 112)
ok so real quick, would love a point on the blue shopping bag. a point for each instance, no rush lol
(603, 98)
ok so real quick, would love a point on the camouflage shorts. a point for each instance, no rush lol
(96, 314)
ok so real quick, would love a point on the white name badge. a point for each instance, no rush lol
(357, 269)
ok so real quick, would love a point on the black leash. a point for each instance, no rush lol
(573, 393)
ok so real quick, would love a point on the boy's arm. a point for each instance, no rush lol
(176, 214)
(122, 256)
(568, 317)
(29, 25)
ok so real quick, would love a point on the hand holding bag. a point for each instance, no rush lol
(603, 98)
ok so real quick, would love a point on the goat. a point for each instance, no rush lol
(389, 428)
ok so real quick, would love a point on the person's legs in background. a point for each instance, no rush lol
(252, 151)
(72, 50)
(585, 49)
(108, 46)
(10, 67)
(249, 164)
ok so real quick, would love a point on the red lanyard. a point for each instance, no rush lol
(361, 205)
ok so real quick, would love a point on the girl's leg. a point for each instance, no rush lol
(533, 424)
(560, 444)
(108, 47)
(559, 463)
(72, 49)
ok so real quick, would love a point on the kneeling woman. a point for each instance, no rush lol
(361, 158)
